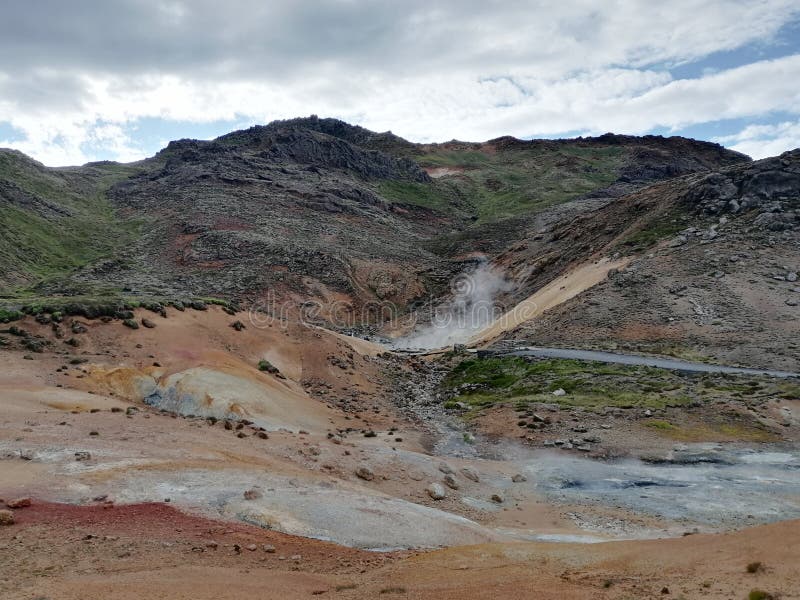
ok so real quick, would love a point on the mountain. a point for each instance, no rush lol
(144, 387)
(714, 267)
(309, 209)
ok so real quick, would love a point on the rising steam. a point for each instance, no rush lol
(471, 308)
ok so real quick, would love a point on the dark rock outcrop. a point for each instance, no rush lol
(770, 187)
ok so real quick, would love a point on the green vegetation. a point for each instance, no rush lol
(268, 367)
(661, 227)
(7, 316)
(587, 384)
(420, 194)
(759, 595)
(492, 185)
(662, 425)
(56, 220)
(483, 382)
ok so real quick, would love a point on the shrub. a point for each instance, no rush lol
(6, 316)
(755, 567)
(265, 365)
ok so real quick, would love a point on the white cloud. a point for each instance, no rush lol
(427, 71)
(761, 141)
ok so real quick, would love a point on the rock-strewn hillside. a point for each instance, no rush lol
(716, 272)
(312, 209)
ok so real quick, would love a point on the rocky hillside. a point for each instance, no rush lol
(311, 209)
(715, 273)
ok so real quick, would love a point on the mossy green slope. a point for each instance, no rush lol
(54, 221)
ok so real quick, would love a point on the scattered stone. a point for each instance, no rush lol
(148, 323)
(212, 544)
(268, 548)
(238, 325)
(446, 469)
(130, 323)
(498, 498)
(6, 517)
(253, 494)
(365, 473)
(436, 491)
(519, 478)
(791, 277)
(470, 474)
(559, 392)
(19, 503)
(252, 547)
(82, 455)
(450, 481)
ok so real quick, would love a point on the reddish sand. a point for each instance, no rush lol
(154, 551)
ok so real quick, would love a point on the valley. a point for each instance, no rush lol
(332, 362)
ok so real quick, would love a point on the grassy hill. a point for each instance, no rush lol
(55, 220)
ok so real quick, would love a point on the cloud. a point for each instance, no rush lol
(76, 77)
(761, 141)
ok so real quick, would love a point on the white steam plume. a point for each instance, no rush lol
(471, 309)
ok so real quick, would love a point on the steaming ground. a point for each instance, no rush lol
(473, 316)
(472, 307)
(304, 455)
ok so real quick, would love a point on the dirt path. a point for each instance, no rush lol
(648, 361)
(554, 293)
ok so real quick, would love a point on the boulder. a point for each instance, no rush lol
(253, 494)
(446, 469)
(450, 481)
(19, 503)
(470, 474)
(436, 491)
(365, 473)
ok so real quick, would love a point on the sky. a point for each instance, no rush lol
(118, 79)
